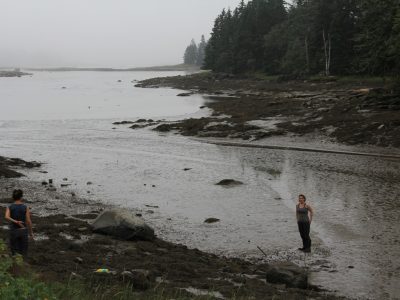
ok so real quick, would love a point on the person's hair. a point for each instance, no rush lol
(17, 194)
(301, 195)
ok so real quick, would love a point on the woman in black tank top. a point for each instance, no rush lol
(19, 216)
(304, 215)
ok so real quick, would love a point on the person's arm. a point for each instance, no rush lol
(29, 222)
(311, 212)
(9, 219)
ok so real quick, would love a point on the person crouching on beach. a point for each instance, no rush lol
(19, 216)
(304, 215)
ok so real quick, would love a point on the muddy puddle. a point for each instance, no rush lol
(172, 180)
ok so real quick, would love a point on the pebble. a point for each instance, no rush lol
(78, 260)
(211, 220)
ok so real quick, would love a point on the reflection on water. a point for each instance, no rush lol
(89, 95)
(355, 198)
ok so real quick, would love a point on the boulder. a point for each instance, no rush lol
(287, 273)
(123, 225)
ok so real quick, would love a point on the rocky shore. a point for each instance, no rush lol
(66, 248)
(14, 73)
(351, 112)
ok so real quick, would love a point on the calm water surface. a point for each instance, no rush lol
(355, 198)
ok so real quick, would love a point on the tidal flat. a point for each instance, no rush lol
(171, 179)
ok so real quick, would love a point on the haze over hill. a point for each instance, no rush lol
(101, 33)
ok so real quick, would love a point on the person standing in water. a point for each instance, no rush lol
(19, 216)
(304, 215)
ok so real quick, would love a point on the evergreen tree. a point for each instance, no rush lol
(190, 56)
(377, 37)
(201, 51)
(307, 37)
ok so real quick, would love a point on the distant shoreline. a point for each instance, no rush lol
(180, 67)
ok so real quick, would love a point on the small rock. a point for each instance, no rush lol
(150, 211)
(43, 172)
(51, 189)
(351, 267)
(229, 182)
(163, 128)
(44, 183)
(127, 274)
(184, 94)
(73, 274)
(187, 169)
(89, 183)
(211, 220)
(123, 123)
(65, 179)
(73, 194)
(82, 229)
(141, 279)
(78, 260)
(153, 185)
(53, 208)
(88, 192)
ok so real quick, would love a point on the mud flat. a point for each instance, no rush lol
(348, 112)
(65, 247)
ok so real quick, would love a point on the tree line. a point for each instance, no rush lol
(307, 37)
(195, 53)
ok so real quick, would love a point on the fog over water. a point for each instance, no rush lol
(102, 33)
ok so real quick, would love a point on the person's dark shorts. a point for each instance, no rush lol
(19, 241)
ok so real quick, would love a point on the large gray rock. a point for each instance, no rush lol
(123, 225)
(287, 273)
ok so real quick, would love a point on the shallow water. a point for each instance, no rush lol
(355, 198)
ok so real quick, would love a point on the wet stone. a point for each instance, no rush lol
(211, 220)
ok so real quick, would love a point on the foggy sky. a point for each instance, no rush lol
(102, 33)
